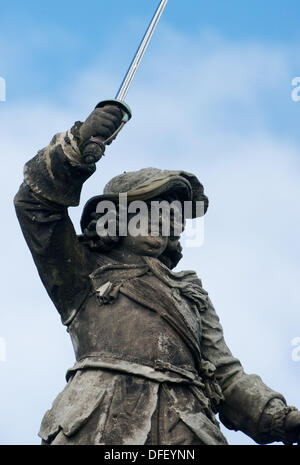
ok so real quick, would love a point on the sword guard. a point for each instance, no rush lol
(126, 110)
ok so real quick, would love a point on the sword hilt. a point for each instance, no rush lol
(95, 146)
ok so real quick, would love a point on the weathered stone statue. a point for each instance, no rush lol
(152, 366)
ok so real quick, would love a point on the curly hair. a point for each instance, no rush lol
(104, 244)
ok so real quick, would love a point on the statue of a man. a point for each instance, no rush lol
(152, 366)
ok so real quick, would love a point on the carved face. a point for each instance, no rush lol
(154, 229)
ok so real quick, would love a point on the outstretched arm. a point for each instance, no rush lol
(249, 405)
(53, 181)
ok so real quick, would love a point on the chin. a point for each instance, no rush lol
(155, 245)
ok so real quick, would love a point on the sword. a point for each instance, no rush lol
(93, 144)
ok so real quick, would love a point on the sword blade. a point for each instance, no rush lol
(122, 92)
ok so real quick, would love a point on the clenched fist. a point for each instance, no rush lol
(101, 124)
(292, 427)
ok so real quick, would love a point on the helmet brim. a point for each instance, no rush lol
(177, 186)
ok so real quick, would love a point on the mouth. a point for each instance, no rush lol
(156, 245)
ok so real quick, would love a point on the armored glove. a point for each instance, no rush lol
(101, 125)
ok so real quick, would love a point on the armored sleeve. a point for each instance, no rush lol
(247, 400)
(52, 182)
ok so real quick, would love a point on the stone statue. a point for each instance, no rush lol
(152, 366)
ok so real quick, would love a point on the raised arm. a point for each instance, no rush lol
(53, 181)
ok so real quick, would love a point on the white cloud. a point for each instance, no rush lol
(199, 105)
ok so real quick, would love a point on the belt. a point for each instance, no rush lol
(160, 372)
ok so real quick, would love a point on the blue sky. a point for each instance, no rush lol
(45, 46)
(52, 40)
(212, 97)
